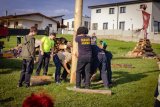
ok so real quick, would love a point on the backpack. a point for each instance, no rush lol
(26, 52)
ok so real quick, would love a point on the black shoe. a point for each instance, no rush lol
(19, 85)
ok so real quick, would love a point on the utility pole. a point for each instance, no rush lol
(6, 13)
(77, 23)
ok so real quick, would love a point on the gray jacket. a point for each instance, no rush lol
(28, 47)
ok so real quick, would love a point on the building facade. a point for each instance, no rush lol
(59, 19)
(70, 23)
(125, 16)
(60, 23)
(25, 21)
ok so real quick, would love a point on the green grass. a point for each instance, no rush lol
(133, 87)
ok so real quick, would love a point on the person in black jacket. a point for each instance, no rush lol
(84, 57)
(109, 58)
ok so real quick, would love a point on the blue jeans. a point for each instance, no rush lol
(57, 63)
(26, 72)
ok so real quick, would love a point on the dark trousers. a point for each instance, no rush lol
(109, 72)
(43, 59)
(103, 73)
(94, 65)
(65, 73)
(83, 67)
(57, 63)
(156, 93)
(157, 103)
(27, 69)
(18, 40)
(101, 63)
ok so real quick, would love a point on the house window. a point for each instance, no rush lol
(72, 24)
(105, 26)
(111, 10)
(67, 24)
(94, 26)
(156, 26)
(50, 25)
(122, 9)
(122, 25)
(98, 11)
(86, 24)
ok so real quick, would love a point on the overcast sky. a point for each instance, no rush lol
(47, 7)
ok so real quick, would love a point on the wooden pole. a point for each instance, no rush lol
(77, 23)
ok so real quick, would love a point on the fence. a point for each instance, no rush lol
(24, 31)
(122, 35)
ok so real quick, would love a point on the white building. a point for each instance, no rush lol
(60, 23)
(25, 21)
(59, 19)
(125, 16)
(70, 23)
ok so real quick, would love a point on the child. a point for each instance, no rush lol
(62, 59)
(47, 44)
(28, 54)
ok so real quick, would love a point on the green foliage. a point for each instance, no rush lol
(133, 87)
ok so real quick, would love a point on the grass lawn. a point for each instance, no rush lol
(133, 87)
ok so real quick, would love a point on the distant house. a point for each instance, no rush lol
(25, 21)
(125, 15)
(60, 22)
(70, 23)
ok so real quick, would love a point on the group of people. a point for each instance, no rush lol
(90, 57)
(46, 44)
